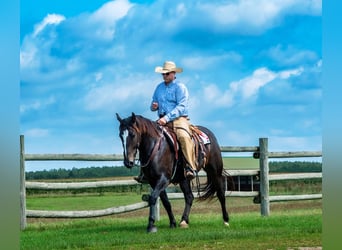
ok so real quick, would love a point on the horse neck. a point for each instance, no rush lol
(148, 138)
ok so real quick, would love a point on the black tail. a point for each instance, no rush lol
(215, 182)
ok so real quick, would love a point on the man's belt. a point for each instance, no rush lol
(163, 114)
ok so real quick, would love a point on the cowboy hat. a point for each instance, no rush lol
(168, 66)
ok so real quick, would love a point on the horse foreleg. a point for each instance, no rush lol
(189, 197)
(167, 206)
(157, 189)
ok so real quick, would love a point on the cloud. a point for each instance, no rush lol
(295, 143)
(37, 104)
(34, 46)
(50, 19)
(250, 85)
(238, 63)
(37, 132)
(251, 16)
(60, 47)
(247, 88)
(118, 93)
(202, 62)
(213, 95)
(106, 17)
(291, 55)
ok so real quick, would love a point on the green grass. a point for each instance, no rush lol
(241, 162)
(291, 224)
(293, 229)
(82, 202)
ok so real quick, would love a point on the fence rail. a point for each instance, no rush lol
(84, 213)
(260, 152)
(73, 157)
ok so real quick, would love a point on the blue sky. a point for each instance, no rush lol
(253, 69)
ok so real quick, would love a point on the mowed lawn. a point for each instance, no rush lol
(291, 225)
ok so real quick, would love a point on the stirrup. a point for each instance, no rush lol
(141, 179)
(190, 173)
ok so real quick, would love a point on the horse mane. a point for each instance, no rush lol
(147, 126)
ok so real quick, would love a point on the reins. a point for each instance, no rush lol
(153, 153)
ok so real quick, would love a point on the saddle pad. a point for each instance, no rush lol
(204, 137)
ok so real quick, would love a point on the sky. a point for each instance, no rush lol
(253, 69)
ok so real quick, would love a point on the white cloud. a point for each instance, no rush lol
(216, 98)
(251, 15)
(295, 143)
(34, 48)
(34, 51)
(98, 76)
(238, 138)
(102, 64)
(291, 55)
(79, 33)
(249, 86)
(114, 94)
(37, 132)
(28, 54)
(245, 89)
(292, 72)
(204, 62)
(106, 16)
(50, 19)
(37, 104)
(112, 11)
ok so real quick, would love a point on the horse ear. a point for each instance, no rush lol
(133, 117)
(118, 117)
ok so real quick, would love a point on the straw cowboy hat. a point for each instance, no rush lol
(168, 67)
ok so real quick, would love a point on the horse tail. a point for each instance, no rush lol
(230, 184)
(216, 182)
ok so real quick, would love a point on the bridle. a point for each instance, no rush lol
(156, 147)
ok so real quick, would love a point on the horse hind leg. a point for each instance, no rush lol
(189, 197)
(167, 206)
(222, 198)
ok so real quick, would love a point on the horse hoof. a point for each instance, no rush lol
(183, 224)
(226, 224)
(173, 225)
(152, 230)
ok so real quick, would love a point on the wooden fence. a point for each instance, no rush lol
(260, 196)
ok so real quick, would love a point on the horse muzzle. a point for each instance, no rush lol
(128, 164)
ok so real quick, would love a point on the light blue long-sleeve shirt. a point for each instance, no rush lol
(172, 100)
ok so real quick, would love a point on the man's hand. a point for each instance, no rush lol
(161, 121)
(154, 106)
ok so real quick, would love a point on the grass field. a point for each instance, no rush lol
(290, 226)
(282, 230)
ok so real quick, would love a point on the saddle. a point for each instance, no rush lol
(199, 138)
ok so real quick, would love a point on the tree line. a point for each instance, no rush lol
(81, 173)
(110, 171)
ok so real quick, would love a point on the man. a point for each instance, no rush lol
(171, 99)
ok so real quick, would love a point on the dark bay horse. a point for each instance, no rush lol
(160, 167)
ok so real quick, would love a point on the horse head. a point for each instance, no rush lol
(130, 139)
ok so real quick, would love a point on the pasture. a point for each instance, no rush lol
(291, 225)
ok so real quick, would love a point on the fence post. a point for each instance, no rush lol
(22, 185)
(264, 182)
